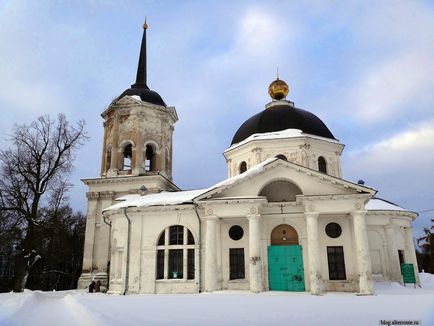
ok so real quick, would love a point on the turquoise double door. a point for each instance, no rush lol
(285, 268)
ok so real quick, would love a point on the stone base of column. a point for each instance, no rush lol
(256, 277)
(366, 285)
(87, 278)
(316, 284)
(84, 281)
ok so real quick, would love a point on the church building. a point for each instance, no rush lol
(283, 220)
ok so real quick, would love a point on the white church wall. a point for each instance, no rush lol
(378, 252)
(226, 243)
(346, 240)
(146, 227)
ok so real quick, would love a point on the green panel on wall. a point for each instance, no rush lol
(285, 268)
(407, 271)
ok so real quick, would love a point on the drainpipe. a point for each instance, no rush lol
(127, 268)
(109, 247)
(200, 251)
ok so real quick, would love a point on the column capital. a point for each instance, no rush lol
(211, 218)
(311, 214)
(253, 217)
(358, 213)
(92, 195)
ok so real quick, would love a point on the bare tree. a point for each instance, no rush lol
(33, 176)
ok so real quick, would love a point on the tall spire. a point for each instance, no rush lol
(141, 69)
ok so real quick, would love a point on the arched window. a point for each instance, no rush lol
(282, 157)
(280, 191)
(322, 165)
(243, 167)
(149, 158)
(128, 154)
(108, 158)
(175, 254)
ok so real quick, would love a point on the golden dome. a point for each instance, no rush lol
(278, 89)
(145, 25)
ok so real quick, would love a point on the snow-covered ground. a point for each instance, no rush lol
(391, 302)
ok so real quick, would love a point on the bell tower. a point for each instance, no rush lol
(136, 154)
(138, 129)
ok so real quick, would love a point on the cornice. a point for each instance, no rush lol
(391, 213)
(301, 198)
(126, 179)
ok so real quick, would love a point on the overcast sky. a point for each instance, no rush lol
(365, 68)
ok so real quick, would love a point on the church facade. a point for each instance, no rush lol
(283, 220)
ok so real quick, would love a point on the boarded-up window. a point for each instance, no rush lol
(335, 256)
(236, 263)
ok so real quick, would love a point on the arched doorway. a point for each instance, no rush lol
(284, 235)
(285, 260)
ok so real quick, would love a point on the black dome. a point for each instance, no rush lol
(282, 117)
(145, 94)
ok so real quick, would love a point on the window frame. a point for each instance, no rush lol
(166, 264)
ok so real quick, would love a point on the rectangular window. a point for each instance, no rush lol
(401, 257)
(190, 266)
(175, 263)
(176, 235)
(160, 264)
(236, 263)
(335, 256)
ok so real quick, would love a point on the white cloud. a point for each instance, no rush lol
(400, 167)
(417, 141)
(398, 86)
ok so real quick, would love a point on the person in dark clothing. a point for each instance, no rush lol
(91, 287)
(98, 286)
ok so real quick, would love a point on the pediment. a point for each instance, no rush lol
(310, 182)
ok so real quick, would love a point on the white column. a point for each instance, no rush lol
(89, 241)
(255, 259)
(211, 254)
(366, 285)
(315, 275)
(411, 252)
(394, 268)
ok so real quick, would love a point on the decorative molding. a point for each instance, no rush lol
(92, 195)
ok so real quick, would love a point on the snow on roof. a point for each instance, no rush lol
(250, 172)
(378, 204)
(287, 133)
(180, 197)
(163, 198)
(136, 97)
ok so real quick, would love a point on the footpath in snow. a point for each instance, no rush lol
(391, 302)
